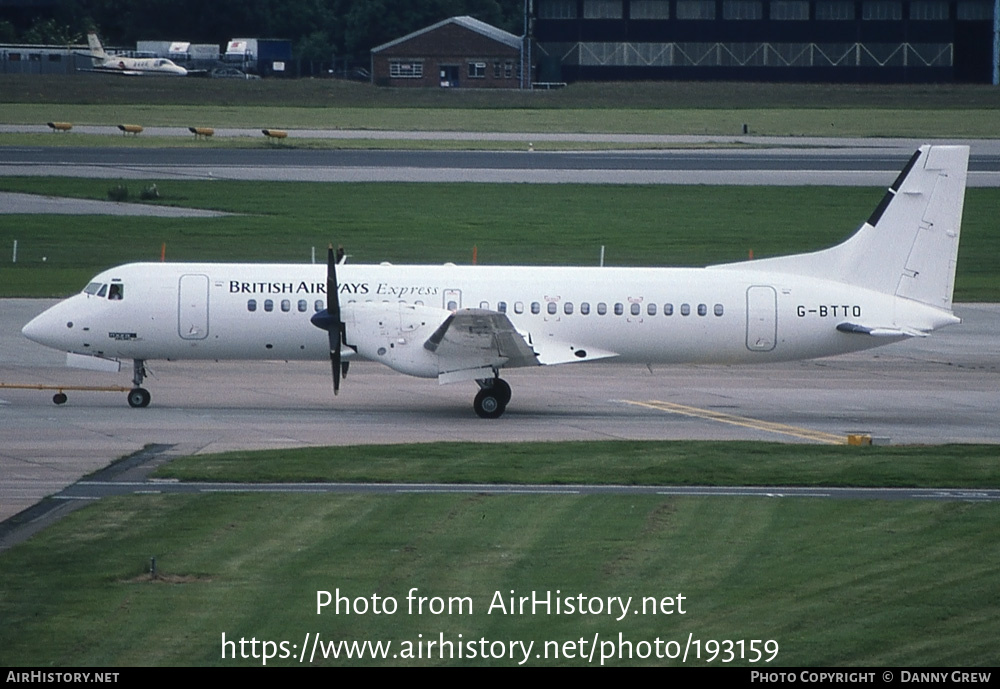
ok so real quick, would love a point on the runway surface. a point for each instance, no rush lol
(940, 389)
(871, 164)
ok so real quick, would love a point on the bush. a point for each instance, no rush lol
(118, 193)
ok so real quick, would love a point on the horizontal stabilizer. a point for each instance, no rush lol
(854, 328)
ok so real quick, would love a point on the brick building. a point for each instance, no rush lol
(457, 52)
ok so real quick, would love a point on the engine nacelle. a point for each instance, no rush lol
(394, 334)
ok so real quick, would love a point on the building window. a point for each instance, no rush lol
(406, 70)
(835, 10)
(477, 70)
(602, 9)
(508, 69)
(882, 10)
(790, 10)
(649, 9)
(742, 9)
(974, 10)
(929, 10)
(557, 9)
(696, 9)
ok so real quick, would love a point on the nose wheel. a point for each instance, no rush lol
(138, 396)
(492, 399)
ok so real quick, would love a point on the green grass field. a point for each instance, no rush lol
(719, 109)
(833, 582)
(435, 223)
(613, 462)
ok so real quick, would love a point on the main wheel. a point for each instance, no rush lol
(488, 404)
(502, 390)
(138, 397)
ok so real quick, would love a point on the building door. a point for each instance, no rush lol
(449, 76)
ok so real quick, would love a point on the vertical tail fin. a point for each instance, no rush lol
(909, 245)
(96, 49)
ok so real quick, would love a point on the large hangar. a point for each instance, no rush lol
(878, 41)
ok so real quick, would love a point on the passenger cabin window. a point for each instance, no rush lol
(318, 305)
(602, 308)
(718, 309)
(585, 308)
(685, 309)
(619, 309)
(536, 308)
(635, 309)
(551, 308)
(502, 307)
(251, 305)
(268, 305)
(702, 309)
(668, 309)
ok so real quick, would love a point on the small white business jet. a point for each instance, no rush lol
(129, 66)
(891, 280)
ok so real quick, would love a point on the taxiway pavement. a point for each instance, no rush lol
(940, 389)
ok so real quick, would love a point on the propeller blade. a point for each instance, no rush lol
(329, 320)
(333, 309)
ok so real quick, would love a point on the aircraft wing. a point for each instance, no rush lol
(474, 343)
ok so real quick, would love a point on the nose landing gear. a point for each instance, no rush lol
(138, 396)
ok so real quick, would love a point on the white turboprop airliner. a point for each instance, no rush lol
(891, 280)
(129, 66)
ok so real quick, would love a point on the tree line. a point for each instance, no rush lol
(321, 31)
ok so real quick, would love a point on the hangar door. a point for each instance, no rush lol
(192, 307)
(762, 318)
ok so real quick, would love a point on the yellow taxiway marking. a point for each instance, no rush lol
(784, 429)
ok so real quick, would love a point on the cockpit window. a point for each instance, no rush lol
(103, 291)
(92, 288)
(117, 291)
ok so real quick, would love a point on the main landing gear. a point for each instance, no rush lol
(492, 398)
(138, 396)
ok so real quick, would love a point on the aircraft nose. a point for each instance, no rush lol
(43, 329)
